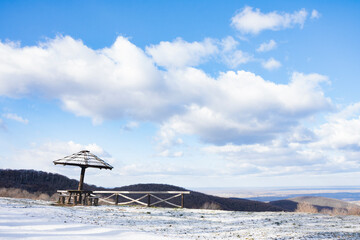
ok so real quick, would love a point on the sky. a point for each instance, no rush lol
(190, 93)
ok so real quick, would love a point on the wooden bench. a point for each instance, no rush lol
(76, 197)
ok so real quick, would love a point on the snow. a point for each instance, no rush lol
(30, 219)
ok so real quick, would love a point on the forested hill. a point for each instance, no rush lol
(37, 181)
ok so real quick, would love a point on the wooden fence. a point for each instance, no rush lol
(142, 195)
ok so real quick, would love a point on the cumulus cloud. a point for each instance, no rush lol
(265, 155)
(271, 64)
(315, 14)
(242, 107)
(341, 131)
(121, 81)
(40, 156)
(332, 147)
(231, 55)
(2, 124)
(249, 21)
(130, 126)
(15, 117)
(284, 156)
(236, 58)
(159, 169)
(180, 53)
(107, 83)
(228, 44)
(168, 153)
(266, 46)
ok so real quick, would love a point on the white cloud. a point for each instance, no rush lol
(271, 64)
(2, 124)
(265, 156)
(253, 22)
(315, 14)
(122, 82)
(88, 82)
(341, 131)
(332, 147)
(266, 46)
(13, 116)
(286, 157)
(347, 112)
(236, 58)
(158, 169)
(242, 107)
(40, 157)
(228, 44)
(130, 126)
(180, 53)
(232, 56)
(167, 153)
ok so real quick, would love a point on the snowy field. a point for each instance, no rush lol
(29, 219)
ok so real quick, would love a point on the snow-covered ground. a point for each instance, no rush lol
(21, 218)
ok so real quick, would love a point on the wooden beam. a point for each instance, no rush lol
(82, 175)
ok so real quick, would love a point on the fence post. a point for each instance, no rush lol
(182, 200)
(69, 199)
(116, 199)
(148, 200)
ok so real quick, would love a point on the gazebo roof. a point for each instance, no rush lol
(83, 159)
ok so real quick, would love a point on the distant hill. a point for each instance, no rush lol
(324, 202)
(37, 181)
(320, 203)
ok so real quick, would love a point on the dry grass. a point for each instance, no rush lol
(19, 193)
(354, 211)
(306, 207)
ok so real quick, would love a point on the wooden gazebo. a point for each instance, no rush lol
(83, 159)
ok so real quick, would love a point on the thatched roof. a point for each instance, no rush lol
(83, 159)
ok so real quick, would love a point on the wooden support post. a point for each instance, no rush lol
(69, 199)
(82, 175)
(182, 200)
(85, 200)
(80, 199)
(116, 199)
(62, 200)
(148, 200)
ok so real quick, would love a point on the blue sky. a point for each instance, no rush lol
(191, 93)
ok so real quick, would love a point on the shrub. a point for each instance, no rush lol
(19, 193)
